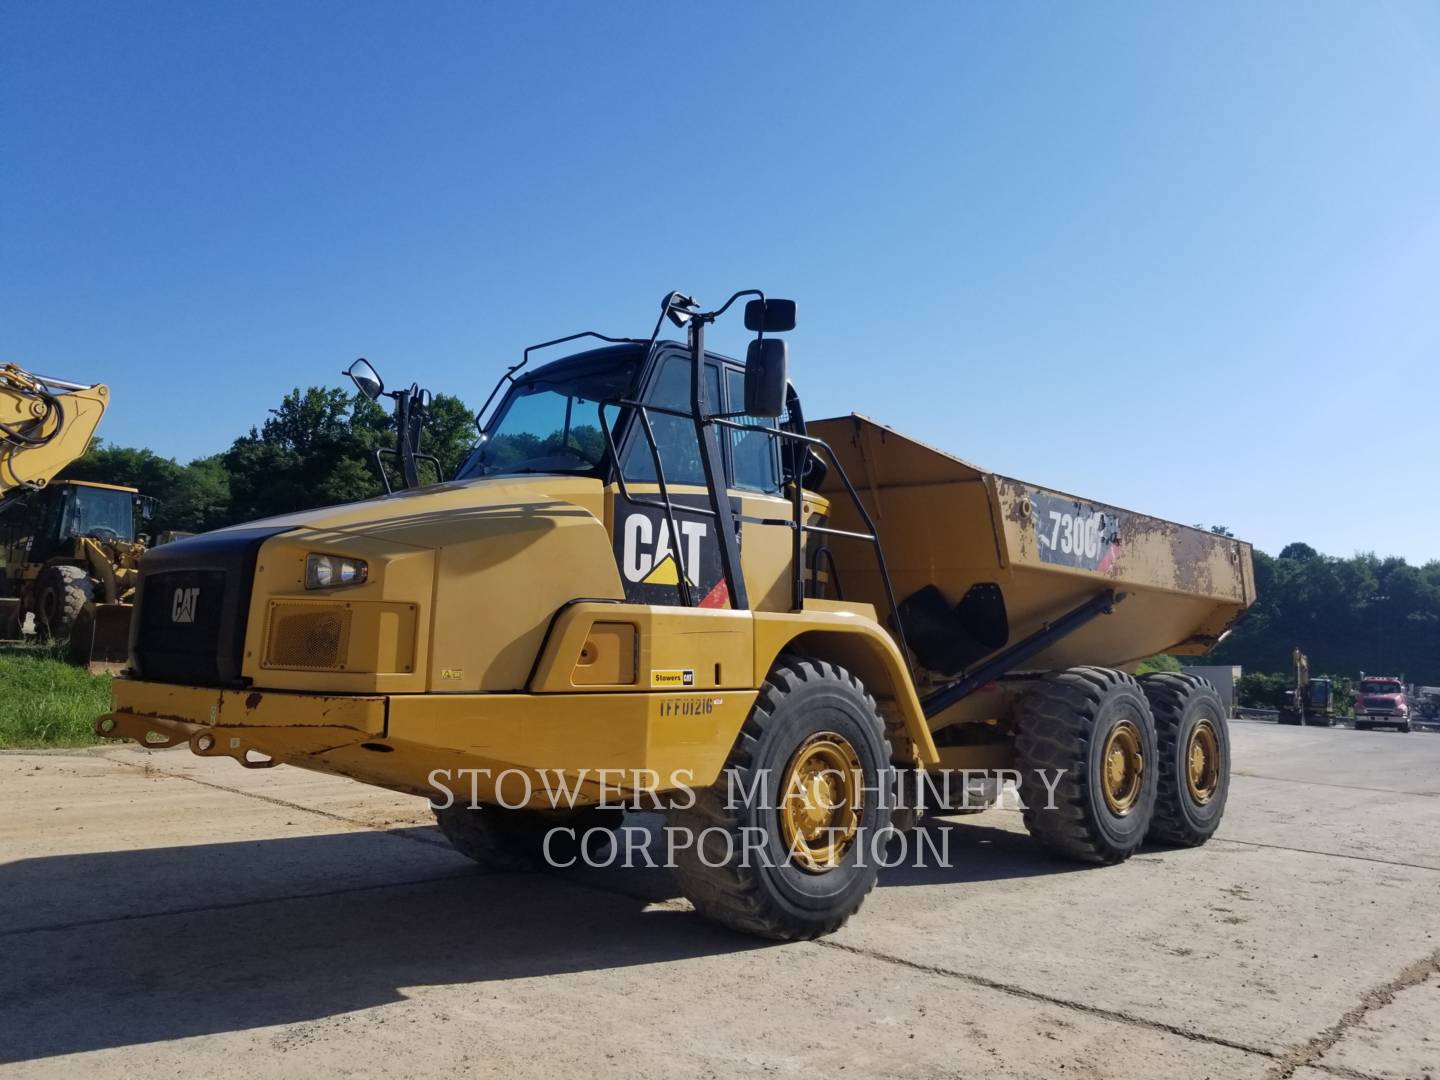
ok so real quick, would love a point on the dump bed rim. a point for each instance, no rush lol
(992, 475)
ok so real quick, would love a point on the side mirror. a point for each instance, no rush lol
(770, 316)
(367, 379)
(765, 377)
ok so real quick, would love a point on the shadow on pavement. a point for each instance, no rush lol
(119, 948)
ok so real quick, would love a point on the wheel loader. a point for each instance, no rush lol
(655, 583)
(71, 548)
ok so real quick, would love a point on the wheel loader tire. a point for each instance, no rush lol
(61, 592)
(82, 636)
(1092, 727)
(1193, 737)
(785, 843)
(503, 840)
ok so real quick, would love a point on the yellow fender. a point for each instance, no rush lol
(863, 648)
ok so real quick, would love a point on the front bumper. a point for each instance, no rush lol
(256, 729)
(514, 742)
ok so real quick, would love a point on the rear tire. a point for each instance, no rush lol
(61, 593)
(753, 866)
(1194, 762)
(1093, 726)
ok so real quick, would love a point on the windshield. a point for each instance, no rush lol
(1380, 688)
(550, 421)
(109, 515)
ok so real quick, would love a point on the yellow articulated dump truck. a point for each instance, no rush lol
(653, 578)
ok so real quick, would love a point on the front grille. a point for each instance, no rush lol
(1379, 704)
(307, 637)
(192, 603)
(180, 623)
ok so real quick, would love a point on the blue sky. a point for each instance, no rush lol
(1179, 258)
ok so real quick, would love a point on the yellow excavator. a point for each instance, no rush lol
(71, 548)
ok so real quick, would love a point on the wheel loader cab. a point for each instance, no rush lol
(62, 512)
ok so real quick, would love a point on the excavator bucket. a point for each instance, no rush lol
(101, 637)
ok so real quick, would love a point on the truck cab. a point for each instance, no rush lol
(1381, 701)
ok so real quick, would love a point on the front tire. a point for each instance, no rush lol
(1093, 727)
(798, 857)
(1194, 762)
(61, 593)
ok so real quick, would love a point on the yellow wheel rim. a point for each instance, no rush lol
(1122, 768)
(1202, 762)
(821, 802)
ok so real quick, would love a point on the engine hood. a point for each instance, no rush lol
(435, 516)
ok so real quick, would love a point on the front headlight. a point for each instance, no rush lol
(332, 571)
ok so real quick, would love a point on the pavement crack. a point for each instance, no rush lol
(1096, 1011)
(1327, 854)
(1308, 1053)
(1332, 784)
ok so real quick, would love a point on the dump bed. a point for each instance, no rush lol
(979, 561)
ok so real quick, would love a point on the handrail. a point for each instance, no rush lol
(796, 522)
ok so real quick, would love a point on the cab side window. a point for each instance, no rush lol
(674, 435)
(754, 454)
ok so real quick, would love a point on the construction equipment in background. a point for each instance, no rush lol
(1309, 701)
(71, 548)
(45, 424)
(652, 581)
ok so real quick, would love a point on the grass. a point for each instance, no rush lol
(45, 701)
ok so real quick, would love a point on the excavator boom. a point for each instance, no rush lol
(45, 424)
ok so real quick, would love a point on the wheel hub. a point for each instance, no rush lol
(821, 801)
(1202, 762)
(1122, 766)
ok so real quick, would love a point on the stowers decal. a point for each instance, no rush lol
(650, 559)
(676, 677)
(1074, 533)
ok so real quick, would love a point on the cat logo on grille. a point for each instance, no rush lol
(182, 605)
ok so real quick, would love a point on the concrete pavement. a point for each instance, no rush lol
(163, 914)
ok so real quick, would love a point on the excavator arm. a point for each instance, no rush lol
(45, 424)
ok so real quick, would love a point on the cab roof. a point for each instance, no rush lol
(96, 484)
